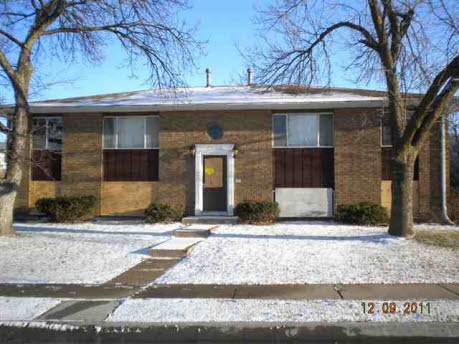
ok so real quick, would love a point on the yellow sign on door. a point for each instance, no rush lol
(210, 171)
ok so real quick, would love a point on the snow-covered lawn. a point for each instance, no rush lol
(276, 311)
(75, 253)
(24, 308)
(313, 252)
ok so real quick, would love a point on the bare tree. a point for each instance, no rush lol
(150, 31)
(410, 44)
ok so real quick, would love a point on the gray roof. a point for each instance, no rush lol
(217, 98)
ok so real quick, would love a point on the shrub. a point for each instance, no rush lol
(159, 212)
(67, 208)
(362, 213)
(257, 212)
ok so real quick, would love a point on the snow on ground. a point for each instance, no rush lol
(83, 253)
(24, 308)
(256, 310)
(312, 252)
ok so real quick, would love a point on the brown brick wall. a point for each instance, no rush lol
(357, 156)
(127, 198)
(429, 176)
(357, 161)
(82, 155)
(39, 189)
(251, 130)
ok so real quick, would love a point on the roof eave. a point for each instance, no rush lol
(208, 107)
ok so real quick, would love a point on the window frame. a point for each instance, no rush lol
(116, 132)
(381, 136)
(408, 114)
(46, 118)
(317, 114)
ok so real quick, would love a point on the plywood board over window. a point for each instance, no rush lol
(304, 168)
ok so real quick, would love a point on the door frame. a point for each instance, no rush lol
(214, 149)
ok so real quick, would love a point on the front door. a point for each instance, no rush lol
(214, 183)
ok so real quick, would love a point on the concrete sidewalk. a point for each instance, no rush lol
(87, 320)
(297, 292)
(305, 291)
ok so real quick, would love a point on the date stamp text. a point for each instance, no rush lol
(393, 307)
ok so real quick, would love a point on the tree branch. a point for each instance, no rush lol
(435, 112)
(450, 72)
(4, 129)
(378, 21)
(11, 38)
(395, 34)
(9, 70)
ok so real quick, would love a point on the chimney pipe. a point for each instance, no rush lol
(249, 77)
(208, 77)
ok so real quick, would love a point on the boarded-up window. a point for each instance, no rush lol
(46, 165)
(131, 165)
(386, 157)
(304, 167)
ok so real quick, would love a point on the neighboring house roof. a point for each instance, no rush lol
(217, 98)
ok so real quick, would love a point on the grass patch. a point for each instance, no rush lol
(441, 238)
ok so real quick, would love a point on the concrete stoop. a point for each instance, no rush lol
(195, 231)
(174, 248)
(211, 220)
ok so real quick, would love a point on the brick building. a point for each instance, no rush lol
(206, 149)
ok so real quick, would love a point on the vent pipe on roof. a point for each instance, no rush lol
(249, 77)
(208, 77)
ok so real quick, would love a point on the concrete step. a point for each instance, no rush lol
(227, 220)
(115, 220)
(195, 231)
(31, 217)
(186, 233)
(174, 248)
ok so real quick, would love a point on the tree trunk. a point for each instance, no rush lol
(18, 154)
(401, 220)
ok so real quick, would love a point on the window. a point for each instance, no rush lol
(47, 145)
(386, 131)
(131, 148)
(47, 133)
(302, 130)
(136, 132)
(386, 158)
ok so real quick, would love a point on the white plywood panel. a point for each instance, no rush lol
(305, 202)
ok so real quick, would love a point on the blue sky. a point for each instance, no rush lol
(222, 23)
(225, 25)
